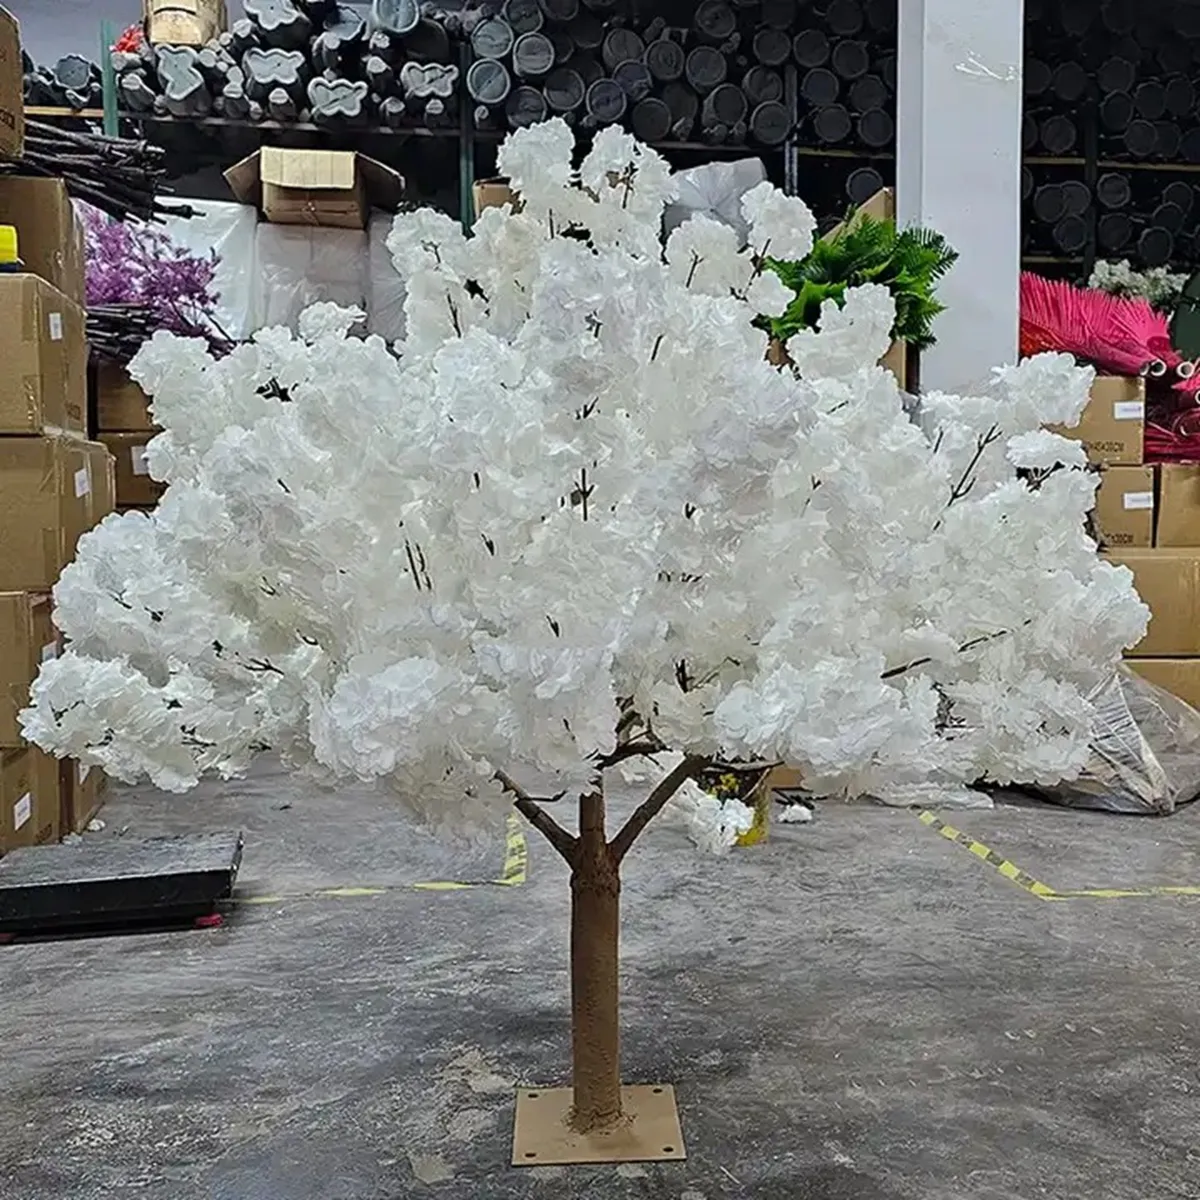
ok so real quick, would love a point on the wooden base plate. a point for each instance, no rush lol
(649, 1133)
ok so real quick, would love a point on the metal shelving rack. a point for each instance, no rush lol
(789, 159)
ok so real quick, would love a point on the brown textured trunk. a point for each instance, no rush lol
(595, 916)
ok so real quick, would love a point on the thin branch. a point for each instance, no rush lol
(635, 749)
(745, 768)
(967, 481)
(968, 645)
(653, 805)
(539, 818)
(628, 720)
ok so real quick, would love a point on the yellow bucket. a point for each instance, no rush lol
(762, 818)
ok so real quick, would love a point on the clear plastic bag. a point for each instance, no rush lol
(229, 229)
(300, 265)
(716, 190)
(386, 289)
(1145, 752)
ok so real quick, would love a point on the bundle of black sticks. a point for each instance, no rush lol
(119, 176)
(116, 332)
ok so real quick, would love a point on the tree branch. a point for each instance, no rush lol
(653, 805)
(746, 768)
(539, 818)
(635, 749)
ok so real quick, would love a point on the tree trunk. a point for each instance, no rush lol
(595, 1033)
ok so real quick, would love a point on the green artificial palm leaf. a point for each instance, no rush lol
(866, 250)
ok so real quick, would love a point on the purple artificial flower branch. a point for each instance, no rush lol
(129, 262)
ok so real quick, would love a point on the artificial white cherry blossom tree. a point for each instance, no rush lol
(576, 519)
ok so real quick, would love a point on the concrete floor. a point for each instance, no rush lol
(859, 1010)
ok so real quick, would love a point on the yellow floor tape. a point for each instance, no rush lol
(516, 865)
(1026, 882)
(1010, 871)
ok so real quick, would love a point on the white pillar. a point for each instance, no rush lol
(958, 171)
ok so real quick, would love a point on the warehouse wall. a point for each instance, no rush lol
(52, 28)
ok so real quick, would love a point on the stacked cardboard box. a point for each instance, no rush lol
(1148, 518)
(125, 425)
(54, 484)
(29, 792)
(12, 88)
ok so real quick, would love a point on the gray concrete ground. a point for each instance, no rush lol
(859, 1010)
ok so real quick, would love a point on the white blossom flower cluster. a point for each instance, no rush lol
(1156, 285)
(713, 824)
(576, 491)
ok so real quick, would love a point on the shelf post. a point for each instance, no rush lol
(466, 145)
(108, 79)
(958, 171)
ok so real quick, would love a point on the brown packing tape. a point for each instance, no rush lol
(31, 388)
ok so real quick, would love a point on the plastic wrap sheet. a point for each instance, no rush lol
(229, 229)
(715, 189)
(299, 265)
(1145, 752)
(386, 290)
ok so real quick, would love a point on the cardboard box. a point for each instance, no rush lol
(49, 239)
(1124, 513)
(82, 792)
(12, 88)
(184, 22)
(28, 638)
(880, 207)
(135, 488)
(43, 346)
(493, 193)
(1169, 582)
(1113, 424)
(121, 406)
(52, 491)
(1179, 676)
(785, 779)
(1178, 505)
(336, 188)
(29, 799)
(102, 476)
